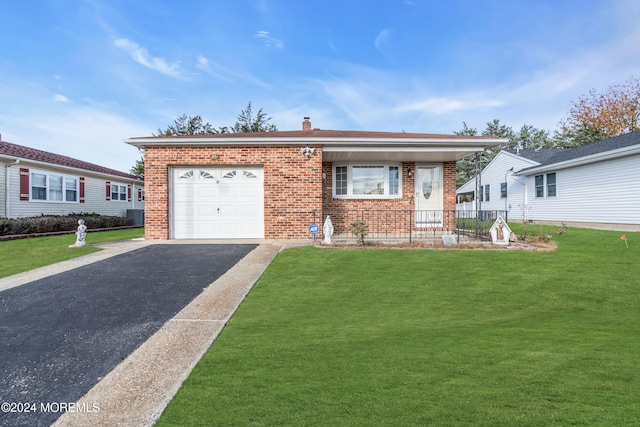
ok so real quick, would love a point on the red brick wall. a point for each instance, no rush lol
(292, 184)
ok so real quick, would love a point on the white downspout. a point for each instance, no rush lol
(134, 195)
(525, 209)
(7, 182)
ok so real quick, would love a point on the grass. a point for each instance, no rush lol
(26, 254)
(430, 337)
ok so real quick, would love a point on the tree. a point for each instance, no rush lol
(247, 123)
(529, 137)
(597, 116)
(466, 167)
(138, 168)
(185, 125)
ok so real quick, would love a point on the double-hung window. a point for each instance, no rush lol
(487, 192)
(539, 180)
(551, 184)
(118, 192)
(503, 190)
(50, 187)
(366, 181)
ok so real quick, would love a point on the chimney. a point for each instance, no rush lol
(306, 125)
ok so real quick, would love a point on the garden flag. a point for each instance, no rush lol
(624, 237)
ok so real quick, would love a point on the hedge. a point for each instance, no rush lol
(57, 223)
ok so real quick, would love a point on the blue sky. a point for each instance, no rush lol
(79, 76)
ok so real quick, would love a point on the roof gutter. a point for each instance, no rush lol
(324, 141)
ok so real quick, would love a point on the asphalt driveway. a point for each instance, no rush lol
(61, 334)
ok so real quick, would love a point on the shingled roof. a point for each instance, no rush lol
(16, 151)
(551, 156)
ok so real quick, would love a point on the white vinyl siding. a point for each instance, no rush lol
(94, 192)
(603, 192)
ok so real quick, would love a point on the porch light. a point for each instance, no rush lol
(410, 172)
(307, 151)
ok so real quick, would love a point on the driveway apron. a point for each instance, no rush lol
(60, 335)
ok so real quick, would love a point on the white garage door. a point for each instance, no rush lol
(218, 203)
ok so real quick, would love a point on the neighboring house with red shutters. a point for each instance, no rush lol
(273, 185)
(35, 182)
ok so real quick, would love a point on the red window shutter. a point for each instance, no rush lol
(81, 189)
(139, 194)
(108, 190)
(129, 193)
(24, 184)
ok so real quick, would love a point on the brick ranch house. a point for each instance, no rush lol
(273, 185)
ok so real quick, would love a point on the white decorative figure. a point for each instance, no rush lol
(500, 232)
(80, 235)
(327, 231)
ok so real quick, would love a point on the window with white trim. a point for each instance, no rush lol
(551, 184)
(50, 187)
(367, 181)
(550, 181)
(539, 180)
(118, 192)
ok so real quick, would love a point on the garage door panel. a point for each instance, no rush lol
(251, 192)
(228, 211)
(218, 202)
(248, 210)
(206, 211)
(184, 211)
(208, 192)
(229, 191)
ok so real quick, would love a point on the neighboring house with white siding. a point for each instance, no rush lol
(594, 185)
(35, 182)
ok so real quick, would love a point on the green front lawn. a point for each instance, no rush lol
(430, 337)
(26, 254)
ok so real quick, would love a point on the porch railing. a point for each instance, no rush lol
(411, 225)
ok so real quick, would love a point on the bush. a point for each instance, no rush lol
(359, 229)
(56, 223)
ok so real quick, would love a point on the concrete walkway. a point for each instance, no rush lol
(136, 392)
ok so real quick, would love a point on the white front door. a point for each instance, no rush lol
(214, 203)
(428, 195)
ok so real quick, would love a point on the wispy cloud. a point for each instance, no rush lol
(204, 64)
(60, 98)
(141, 55)
(211, 68)
(382, 40)
(443, 105)
(269, 41)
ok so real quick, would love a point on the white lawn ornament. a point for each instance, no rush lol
(327, 231)
(80, 235)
